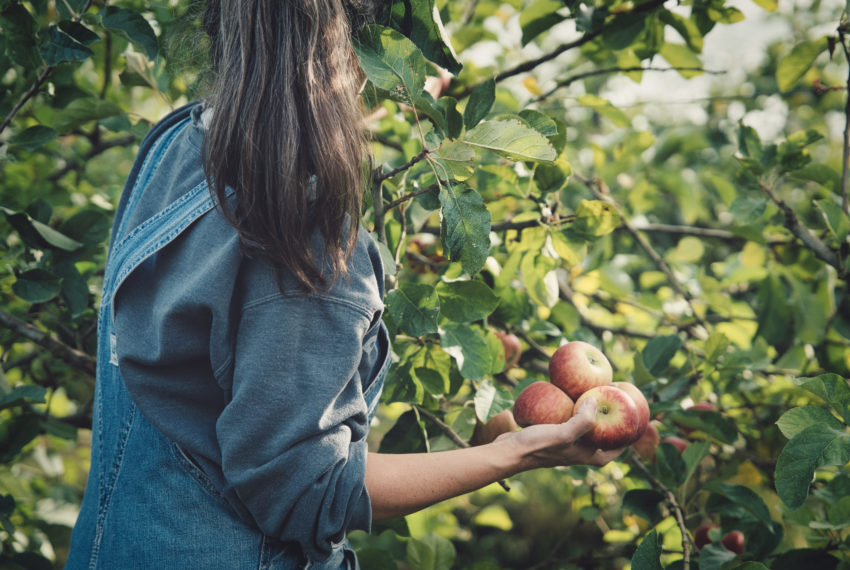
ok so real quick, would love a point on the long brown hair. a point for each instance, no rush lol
(286, 130)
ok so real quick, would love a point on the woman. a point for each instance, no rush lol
(241, 349)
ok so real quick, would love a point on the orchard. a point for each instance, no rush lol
(529, 191)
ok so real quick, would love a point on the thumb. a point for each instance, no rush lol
(584, 416)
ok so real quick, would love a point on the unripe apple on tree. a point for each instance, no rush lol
(484, 433)
(734, 542)
(701, 535)
(577, 366)
(542, 403)
(512, 347)
(617, 418)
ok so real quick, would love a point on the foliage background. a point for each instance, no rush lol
(705, 253)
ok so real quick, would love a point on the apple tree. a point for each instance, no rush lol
(510, 195)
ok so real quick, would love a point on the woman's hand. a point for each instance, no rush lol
(549, 445)
(403, 483)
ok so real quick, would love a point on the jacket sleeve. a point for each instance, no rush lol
(293, 435)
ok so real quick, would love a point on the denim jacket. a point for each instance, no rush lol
(230, 413)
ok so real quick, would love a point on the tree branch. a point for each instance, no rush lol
(810, 240)
(593, 73)
(95, 150)
(451, 434)
(381, 176)
(31, 92)
(588, 37)
(595, 186)
(76, 358)
(410, 195)
(672, 504)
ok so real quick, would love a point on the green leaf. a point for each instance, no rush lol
(132, 26)
(465, 226)
(511, 139)
(406, 436)
(595, 218)
(605, 109)
(794, 66)
(671, 466)
(712, 423)
(420, 21)
(431, 552)
(456, 158)
(61, 47)
(644, 503)
(743, 497)
(88, 227)
(19, 31)
(466, 301)
(489, 400)
(836, 220)
(816, 446)
(796, 420)
(21, 394)
(647, 555)
(480, 101)
(713, 556)
(681, 57)
(36, 286)
(748, 209)
(693, 454)
(539, 17)
(659, 351)
(81, 111)
(544, 124)
(33, 137)
(469, 349)
(833, 389)
(79, 32)
(414, 307)
(391, 61)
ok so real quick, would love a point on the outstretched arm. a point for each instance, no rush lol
(401, 484)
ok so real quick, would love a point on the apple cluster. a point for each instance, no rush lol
(578, 371)
(733, 541)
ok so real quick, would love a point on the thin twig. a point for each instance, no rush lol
(451, 434)
(380, 177)
(586, 38)
(672, 503)
(95, 150)
(595, 186)
(409, 196)
(593, 73)
(810, 240)
(76, 358)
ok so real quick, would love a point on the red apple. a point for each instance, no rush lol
(503, 422)
(701, 535)
(680, 443)
(577, 366)
(512, 348)
(646, 444)
(734, 542)
(617, 418)
(542, 403)
(640, 402)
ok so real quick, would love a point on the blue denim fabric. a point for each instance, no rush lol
(230, 415)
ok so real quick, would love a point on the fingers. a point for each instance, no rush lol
(583, 418)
